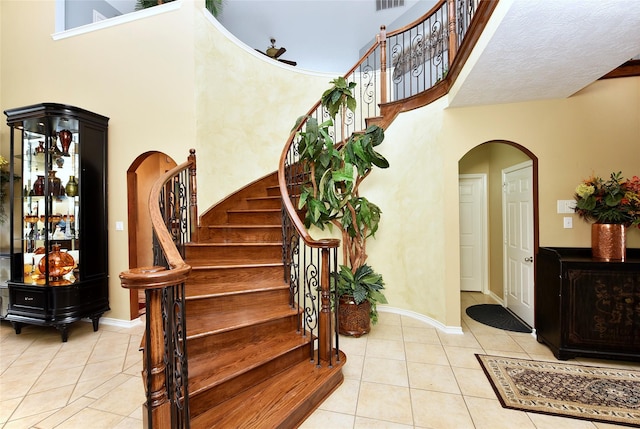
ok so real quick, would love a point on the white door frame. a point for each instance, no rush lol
(484, 266)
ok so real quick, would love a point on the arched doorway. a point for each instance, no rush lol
(490, 160)
(141, 175)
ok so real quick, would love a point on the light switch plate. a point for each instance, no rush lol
(566, 206)
(568, 222)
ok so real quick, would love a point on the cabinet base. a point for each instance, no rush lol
(566, 353)
(63, 327)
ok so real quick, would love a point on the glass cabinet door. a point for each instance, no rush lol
(48, 204)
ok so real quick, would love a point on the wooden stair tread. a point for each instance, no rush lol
(254, 211)
(219, 289)
(219, 366)
(217, 262)
(265, 197)
(239, 226)
(221, 321)
(252, 264)
(281, 401)
(238, 244)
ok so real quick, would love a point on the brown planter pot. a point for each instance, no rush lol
(608, 242)
(353, 319)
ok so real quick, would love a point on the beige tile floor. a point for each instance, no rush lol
(92, 381)
(404, 374)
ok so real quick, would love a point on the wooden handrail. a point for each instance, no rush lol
(286, 199)
(164, 291)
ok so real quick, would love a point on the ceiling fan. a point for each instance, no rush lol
(275, 53)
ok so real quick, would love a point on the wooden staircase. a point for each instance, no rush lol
(249, 364)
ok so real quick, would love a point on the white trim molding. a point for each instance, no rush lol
(457, 330)
(116, 20)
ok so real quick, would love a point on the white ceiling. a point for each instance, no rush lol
(544, 49)
(320, 35)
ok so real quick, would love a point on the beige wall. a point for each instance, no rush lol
(174, 81)
(168, 83)
(595, 131)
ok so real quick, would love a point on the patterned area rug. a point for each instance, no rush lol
(584, 392)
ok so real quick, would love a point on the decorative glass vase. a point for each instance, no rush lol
(55, 184)
(608, 242)
(72, 187)
(60, 263)
(65, 141)
(38, 186)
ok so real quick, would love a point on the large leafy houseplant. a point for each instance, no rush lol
(331, 195)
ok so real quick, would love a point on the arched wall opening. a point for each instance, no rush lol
(490, 159)
(141, 175)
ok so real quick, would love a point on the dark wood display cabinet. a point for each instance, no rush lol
(58, 216)
(586, 307)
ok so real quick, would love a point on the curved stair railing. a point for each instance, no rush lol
(174, 214)
(421, 59)
(396, 70)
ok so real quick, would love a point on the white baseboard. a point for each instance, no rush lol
(118, 322)
(421, 317)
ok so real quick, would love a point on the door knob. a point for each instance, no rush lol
(529, 259)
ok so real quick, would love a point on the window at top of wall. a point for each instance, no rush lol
(388, 4)
(82, 12)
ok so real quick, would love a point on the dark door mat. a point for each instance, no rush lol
(497, 316)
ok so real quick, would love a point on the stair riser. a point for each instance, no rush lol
(207, 255)
(236, 274)
(264, 203)
(255, 217)
(273, 191)
(211, 344)
(265, 234)
(302, 412)
(238, 302)
(201, 402)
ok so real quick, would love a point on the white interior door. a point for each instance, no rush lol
(473, 221)
(517, 206)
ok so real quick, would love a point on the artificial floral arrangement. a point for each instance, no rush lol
(615, 201)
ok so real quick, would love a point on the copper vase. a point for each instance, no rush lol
(60, 263)
(608, 242)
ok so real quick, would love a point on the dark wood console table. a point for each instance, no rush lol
(584, 307)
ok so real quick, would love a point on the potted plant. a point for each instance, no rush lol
(613, 205)
(331, 197)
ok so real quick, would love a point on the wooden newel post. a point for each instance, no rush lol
(382, 39)
(325, 335)
(453, 34)
(193, 198)
(160, 405)
(154, 371)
